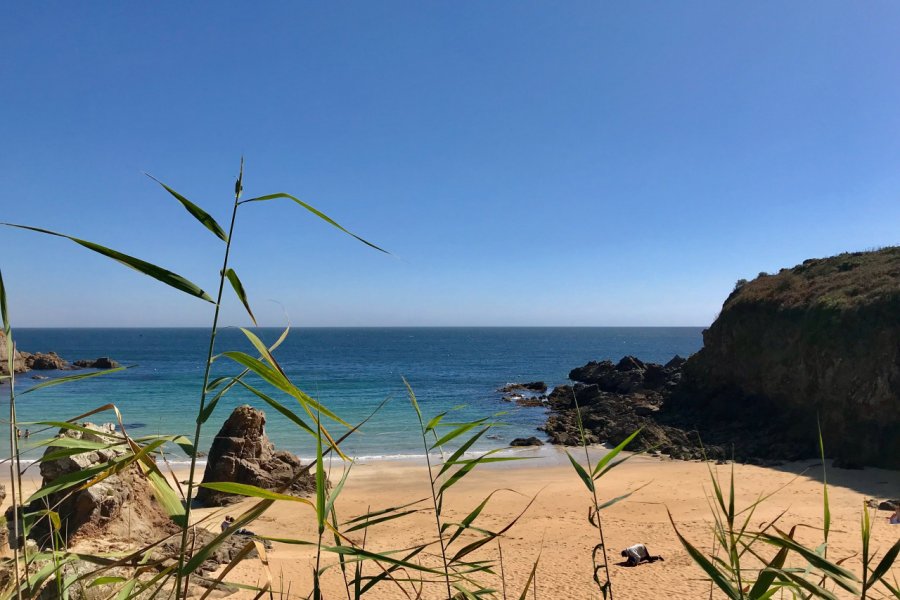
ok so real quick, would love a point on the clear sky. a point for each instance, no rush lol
(528, 163)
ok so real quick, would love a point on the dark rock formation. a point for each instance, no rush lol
(615, 400)
(530, 441)
(242, 453)
(122, 507)
(822, 338)
(816, 343)
(45, 362)
(104, 362)
(523, 400)
(532, 386)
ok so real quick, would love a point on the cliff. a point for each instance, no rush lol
(819, 340)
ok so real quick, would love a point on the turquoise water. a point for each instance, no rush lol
(351, 370)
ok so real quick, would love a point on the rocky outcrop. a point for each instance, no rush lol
(104, 362)
(818, 341)
(121, 507)
(529, 441)
(532, 386)
(242, 453)
(19, 362)
(615, 400)
(50, 361)
(45, 362)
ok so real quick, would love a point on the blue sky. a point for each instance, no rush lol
(528, 163)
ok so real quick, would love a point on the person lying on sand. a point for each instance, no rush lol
(637, 554)
(229, 521)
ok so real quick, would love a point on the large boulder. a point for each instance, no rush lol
(243, 453)
(121, 507)
(818, 342)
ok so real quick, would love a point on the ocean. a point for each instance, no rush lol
(349, 370)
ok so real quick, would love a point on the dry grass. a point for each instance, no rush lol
(846, 281)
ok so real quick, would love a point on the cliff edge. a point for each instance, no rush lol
(820, 340)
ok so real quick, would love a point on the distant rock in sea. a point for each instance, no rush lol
(104, 362)
(50, 361)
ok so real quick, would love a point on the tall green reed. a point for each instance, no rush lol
(179, 511)
(747, 572)
(589, 475)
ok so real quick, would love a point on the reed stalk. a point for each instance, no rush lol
(183, 580)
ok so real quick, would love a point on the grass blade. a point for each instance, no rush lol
(588, 482)
(239, 290)
(69, 378)
(316, 212)
(885, 564)
(612, 454)
(168, 277)
(198, 213)
(252, 491)
(714, 574)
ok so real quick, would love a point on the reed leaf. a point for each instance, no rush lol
(277, 380)
(336, 490)
(450, 462)
(609, 456)
(470, 518)
(588, 481)
(714, 574)
(251, 491)
(74, 478)
(491, 536)
(378, 513)
(837, 573)
(316, 212)
(383, 557)
(168, 277)
(321, 515)
(376, 521)
(825, 505)
(886, 562)
(767, 576)
(458, 431)
(4, 313)
(201, 554)
(198, 213)
(618, 499)
(291, 415)
(167, 497)
(238, 288)
(244, 551)
(71, 378)
(815, 590)
(531, 575)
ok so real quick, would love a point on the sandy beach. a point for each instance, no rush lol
(556, 526)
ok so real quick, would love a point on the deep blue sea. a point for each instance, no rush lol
(350, 370)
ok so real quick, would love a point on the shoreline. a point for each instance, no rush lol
(556, 525)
